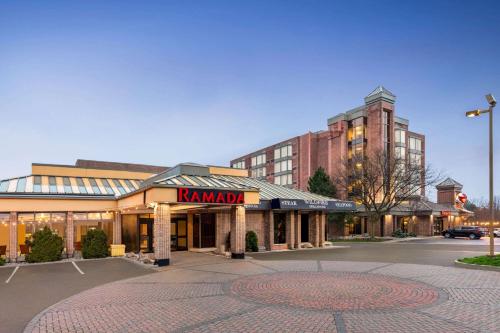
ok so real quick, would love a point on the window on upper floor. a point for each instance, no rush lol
(52, 184)
(283, 152)
(400, 153)
(258, 172)
(285, 179)
(283, 166)
(239, 165)
(37, 184)
(400, 136)
(415, 144)
(258, 160)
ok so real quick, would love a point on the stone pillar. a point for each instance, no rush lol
(269, 230)
(238, 228)
(70, 235)
(388, 225)
(322, 227)
(298, 230)
(190, 230)
(290, 229)
(314, 227)
(13, 236)
(117, 228)
(161, 234)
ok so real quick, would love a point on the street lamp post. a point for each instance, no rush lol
(474, 113)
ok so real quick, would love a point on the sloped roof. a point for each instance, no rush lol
(270, 191)
(449, 182)
(380, 93)
(133, 167)
(202, 181)
(38, 185)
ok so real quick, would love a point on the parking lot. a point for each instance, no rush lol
(31, 288)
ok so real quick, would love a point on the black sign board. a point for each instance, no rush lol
(326, 205)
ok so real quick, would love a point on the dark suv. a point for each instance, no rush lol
(471, 232)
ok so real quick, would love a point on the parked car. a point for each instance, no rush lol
(496, 232)
(472, 232)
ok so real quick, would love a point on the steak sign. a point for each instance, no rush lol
(210, 196)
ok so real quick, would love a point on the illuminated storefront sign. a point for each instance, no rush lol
(210, 196)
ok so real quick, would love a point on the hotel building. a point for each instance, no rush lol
(159, 209)
(371, 127)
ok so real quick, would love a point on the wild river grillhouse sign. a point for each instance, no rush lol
(328, 205)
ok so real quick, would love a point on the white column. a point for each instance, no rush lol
(322, 227)
(238, 228)
(161, 234)
(70, 234)
(117, 228)
(13, 236)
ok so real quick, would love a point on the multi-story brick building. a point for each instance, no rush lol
(368, 128)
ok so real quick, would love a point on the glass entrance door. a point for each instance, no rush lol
(145, 234)
(178, 234)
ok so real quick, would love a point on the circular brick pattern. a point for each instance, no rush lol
(334, 291)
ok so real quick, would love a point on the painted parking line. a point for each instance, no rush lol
(77, 268)
(11, 275)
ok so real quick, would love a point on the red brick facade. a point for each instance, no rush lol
(328, 148)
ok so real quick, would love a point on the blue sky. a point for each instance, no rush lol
(163, 82)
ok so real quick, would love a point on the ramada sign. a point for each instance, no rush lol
(210, 196)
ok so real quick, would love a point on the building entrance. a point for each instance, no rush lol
(204, 230)
(304, 228)
(145, 234)
(438, 226)
(178, 234)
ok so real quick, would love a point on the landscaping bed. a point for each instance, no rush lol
(482, 260)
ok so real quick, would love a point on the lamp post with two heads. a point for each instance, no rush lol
(474, 113)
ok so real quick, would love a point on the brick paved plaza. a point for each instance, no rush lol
(220, 295)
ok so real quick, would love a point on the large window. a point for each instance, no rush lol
(279, 228)
(283, 166)
(356, 129)
(258, 172)
(4, 232)
(83, 222)
(285, 179)
(29, 223)
(258, 160)
(400, 153)
(239, 164)
(283, 152)
(415, 144)
(400, 136)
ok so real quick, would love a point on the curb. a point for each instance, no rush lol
(477, 267)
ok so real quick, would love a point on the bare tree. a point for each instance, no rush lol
(381, 182)
(481, 209)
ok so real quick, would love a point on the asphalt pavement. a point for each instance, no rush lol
(31, 288)
(428, 251)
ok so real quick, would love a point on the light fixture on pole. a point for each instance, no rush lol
(474, 113)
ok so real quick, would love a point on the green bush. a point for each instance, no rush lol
(46, 246)
(251, 241)
(95, 244)
(2, 261)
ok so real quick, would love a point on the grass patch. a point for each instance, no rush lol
(365, 240)
(483, 260)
